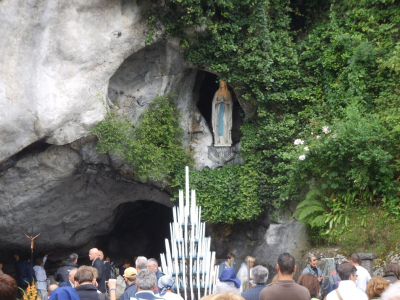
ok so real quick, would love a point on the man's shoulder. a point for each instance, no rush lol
(270, 292)
(362, 269)
(146, 296)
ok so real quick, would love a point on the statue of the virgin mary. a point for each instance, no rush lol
(222, 116)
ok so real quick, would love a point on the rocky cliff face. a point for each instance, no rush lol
(63, 64)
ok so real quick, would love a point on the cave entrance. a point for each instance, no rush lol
(206, 85)
(139, 228)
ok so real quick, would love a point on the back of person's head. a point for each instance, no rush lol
(39, 260)
(85, 274)
(346, 270)
(311, 283)
(355, 258)
(8, 287)
(73, 257)
(146, 279)
(260, 274)
(392, 268)
(286, 263)
(141, 263)
(376, 286)
(229, 256)
(392, 292)
(130, 274)
(51, 288)
(223, 296)
(165, 283)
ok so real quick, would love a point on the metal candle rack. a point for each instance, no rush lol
(188, 258)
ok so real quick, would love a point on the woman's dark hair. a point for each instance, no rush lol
(392, 268)
(8, 287)
(311, 283)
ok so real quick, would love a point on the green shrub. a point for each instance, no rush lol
(226, 194)
(154, 147)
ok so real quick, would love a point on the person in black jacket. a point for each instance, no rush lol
(24, 271)
(260, 277)
(62, 272)
(85, 279)
(99, 265)
(107, 265)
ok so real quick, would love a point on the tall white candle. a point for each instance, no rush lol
(187, 185)
(184, 275)
(212, 274)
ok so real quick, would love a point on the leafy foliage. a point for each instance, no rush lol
(341, 70)
(154, 147)
(227, 194)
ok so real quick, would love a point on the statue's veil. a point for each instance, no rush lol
(223, 90)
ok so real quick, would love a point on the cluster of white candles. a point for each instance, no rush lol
(188, 258)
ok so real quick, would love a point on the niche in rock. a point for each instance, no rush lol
(206, 86)
(139, 228)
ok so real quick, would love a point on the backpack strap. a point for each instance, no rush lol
(338, 294)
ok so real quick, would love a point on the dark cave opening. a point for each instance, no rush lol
(140, 228)
(208, 84)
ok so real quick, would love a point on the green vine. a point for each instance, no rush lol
(154, 147)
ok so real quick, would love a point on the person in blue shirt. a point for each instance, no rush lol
(230, 259)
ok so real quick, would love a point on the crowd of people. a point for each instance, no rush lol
(145, 281)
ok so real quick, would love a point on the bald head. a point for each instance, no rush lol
(93, 253)
(51, 288)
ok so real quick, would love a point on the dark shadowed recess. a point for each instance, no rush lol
(140, 228)
(206, 85)
(34, 148)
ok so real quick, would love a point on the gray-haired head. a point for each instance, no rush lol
(73, 257)
(146, 279)
(152, 261)
(260, 274)
(141, 263)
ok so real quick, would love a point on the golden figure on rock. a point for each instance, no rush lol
(222, 116)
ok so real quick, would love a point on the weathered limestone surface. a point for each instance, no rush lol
(55, 63)
(64, 198)
(264, 239)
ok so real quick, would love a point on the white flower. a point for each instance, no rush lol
(318, 136)
(302, 157)
(298, 142)
(306, 149)
(312, 133)
(326, 129)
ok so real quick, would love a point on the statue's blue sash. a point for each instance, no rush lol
(221, 119)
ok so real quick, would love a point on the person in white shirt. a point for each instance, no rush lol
(363, 274)
(347, 289)
(166, 285)
(41, 277)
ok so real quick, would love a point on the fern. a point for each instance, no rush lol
(310, 211)
(318, 221)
